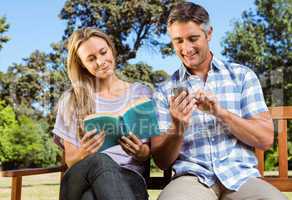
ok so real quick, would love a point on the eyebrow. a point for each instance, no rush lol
(89, 56)
(101, 49)
(178, 38)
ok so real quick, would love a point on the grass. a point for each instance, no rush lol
(46, 187)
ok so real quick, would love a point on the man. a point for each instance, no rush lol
(213, 125)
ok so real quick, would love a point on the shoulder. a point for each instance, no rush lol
(166, 86)
(65, 100)
(141, 89)
(239, 72)
(238, 68)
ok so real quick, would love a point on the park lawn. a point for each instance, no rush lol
(46, 187)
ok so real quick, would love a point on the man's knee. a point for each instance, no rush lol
(187, 188)
(255, 188)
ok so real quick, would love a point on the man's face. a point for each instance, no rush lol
(190, 43)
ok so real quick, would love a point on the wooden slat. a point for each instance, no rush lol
(281, 112)
(261, 163)
(283, 184)
(61, 177)
(16, 188)
(283, 149)
(156, 183)
(31, 171)
(167, 175)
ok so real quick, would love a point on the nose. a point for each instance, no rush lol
(100, 61)
(187, 47)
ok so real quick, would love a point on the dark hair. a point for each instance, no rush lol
(187, 11)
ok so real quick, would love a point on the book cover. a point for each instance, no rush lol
(138, 117)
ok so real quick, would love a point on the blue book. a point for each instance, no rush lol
(138, 117)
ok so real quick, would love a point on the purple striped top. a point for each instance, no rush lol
(63, 132)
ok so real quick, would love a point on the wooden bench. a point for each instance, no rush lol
(281, 116)
(283, 182)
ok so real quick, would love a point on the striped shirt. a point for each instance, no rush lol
(209, 150)
(69, 133)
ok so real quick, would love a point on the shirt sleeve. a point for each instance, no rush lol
(162, 110)
(252, 99)
(63, 131)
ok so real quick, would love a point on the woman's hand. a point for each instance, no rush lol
(91, 143)
(133, 146)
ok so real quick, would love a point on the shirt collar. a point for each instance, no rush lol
(216, 65)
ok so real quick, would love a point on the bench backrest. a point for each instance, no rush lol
(281, 116)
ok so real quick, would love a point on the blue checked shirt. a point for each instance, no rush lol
(210, 151)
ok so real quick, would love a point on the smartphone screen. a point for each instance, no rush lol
(177, 90)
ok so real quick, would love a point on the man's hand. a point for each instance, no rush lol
(181, 108)
(207, 102)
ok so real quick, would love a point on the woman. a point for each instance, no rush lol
(115, 173)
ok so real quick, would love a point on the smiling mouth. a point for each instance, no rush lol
(104, 68)
(190, 54)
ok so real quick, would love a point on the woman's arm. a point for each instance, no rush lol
(89, 144)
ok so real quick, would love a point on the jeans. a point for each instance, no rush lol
(98, 177)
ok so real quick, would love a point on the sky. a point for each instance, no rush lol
(34, 24)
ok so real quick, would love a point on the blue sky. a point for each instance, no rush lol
(35, 25)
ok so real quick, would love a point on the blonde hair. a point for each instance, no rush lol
(79, 100)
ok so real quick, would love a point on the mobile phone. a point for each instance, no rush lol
(179, 89)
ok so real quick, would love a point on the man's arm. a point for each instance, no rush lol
(257, 131)
(166, 147)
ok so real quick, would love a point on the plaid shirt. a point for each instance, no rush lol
(210, 151)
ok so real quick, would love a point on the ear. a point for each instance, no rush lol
(209, 34)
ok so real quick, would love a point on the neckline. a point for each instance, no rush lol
(119, 98)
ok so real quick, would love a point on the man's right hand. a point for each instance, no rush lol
(181, 109)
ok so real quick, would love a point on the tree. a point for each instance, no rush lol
(4, 26)
(130, 23)
(142, 72)
(24, 142)
(33, 87)
(262, 40)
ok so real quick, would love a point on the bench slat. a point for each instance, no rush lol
(283, 184)
(281, 112)
(261, 163)
(283, 149)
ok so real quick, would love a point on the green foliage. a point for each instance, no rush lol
(32, 88)
(153, 166)
(289, 150)
(4, 26)
(271, 159)
(130, 23)
(142, 73)
(24, 142)
(262, 40)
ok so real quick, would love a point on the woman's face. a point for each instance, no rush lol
(97, 57)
